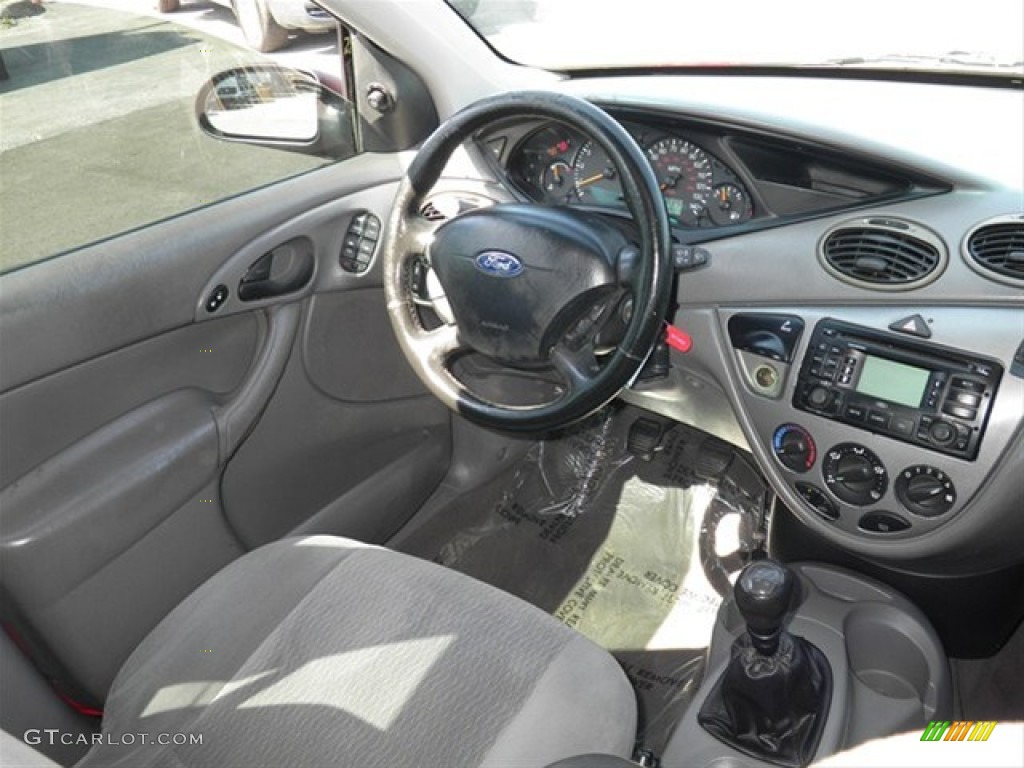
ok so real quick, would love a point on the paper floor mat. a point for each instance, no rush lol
(609, 544)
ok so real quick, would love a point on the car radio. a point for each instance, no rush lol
(911, 391)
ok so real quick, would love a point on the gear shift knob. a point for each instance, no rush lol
(764, 593)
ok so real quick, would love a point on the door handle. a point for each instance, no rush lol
(285, 269)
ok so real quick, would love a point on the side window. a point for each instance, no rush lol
(111, 120)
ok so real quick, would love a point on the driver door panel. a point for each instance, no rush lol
(146, 443)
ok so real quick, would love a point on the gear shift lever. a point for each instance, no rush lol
(773, 698)
(764, 593)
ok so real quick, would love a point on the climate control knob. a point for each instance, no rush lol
(925, 491)
(854, 474)
(794, 447)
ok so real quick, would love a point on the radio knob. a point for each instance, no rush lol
(942, 432)
(819, 397)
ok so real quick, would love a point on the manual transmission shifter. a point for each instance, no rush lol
(764, 594)
(773, 698)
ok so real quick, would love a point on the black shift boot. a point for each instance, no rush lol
(773, 699)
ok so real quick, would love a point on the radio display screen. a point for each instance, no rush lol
(896, 382)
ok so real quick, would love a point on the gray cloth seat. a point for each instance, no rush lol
(321, 651)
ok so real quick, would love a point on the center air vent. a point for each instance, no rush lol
(996, 248)
(885, 254)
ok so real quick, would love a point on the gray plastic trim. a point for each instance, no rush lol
(237, 417)
(86, 505)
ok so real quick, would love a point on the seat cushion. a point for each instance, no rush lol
(322, 651)
(15, 753)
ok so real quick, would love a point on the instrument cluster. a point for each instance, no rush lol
(559, 166)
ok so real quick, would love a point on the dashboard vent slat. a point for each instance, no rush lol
(998, 248)
(880, 255)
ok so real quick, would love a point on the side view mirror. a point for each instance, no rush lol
(273, 106)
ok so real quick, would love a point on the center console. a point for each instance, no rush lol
(888, 671)
(882, 427)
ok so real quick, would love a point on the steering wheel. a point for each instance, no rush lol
(531, 287)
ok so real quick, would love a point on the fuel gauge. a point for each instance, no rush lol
(558, 181)
(729, 204)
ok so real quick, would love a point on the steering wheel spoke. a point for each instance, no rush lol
(578, 367)
(437, 346)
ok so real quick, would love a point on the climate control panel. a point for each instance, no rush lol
(852, 475)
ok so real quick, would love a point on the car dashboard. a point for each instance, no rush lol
(850, 289)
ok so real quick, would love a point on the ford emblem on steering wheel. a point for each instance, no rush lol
(499, 264)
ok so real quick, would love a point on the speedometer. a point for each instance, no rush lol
(684, 174)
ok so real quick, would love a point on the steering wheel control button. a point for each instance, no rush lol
(925, 491)
(915, 325)
(794, 447)
(818, 500)
(882, 522)
(216, 298)
(854, 474)
(360, 242)
(687, 257)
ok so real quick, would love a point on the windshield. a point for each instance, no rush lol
(974, 35)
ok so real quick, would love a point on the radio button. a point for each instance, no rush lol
(882, 522)
(960, 411)
(967, 398)
(902, 425)
(970, 385)
(855, 412)
(879, 419)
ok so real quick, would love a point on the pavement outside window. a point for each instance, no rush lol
(98, 133)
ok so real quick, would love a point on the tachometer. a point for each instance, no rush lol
(684, 174)
(596, 177)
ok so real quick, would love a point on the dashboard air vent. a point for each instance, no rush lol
(997, 248)
(883, 254)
